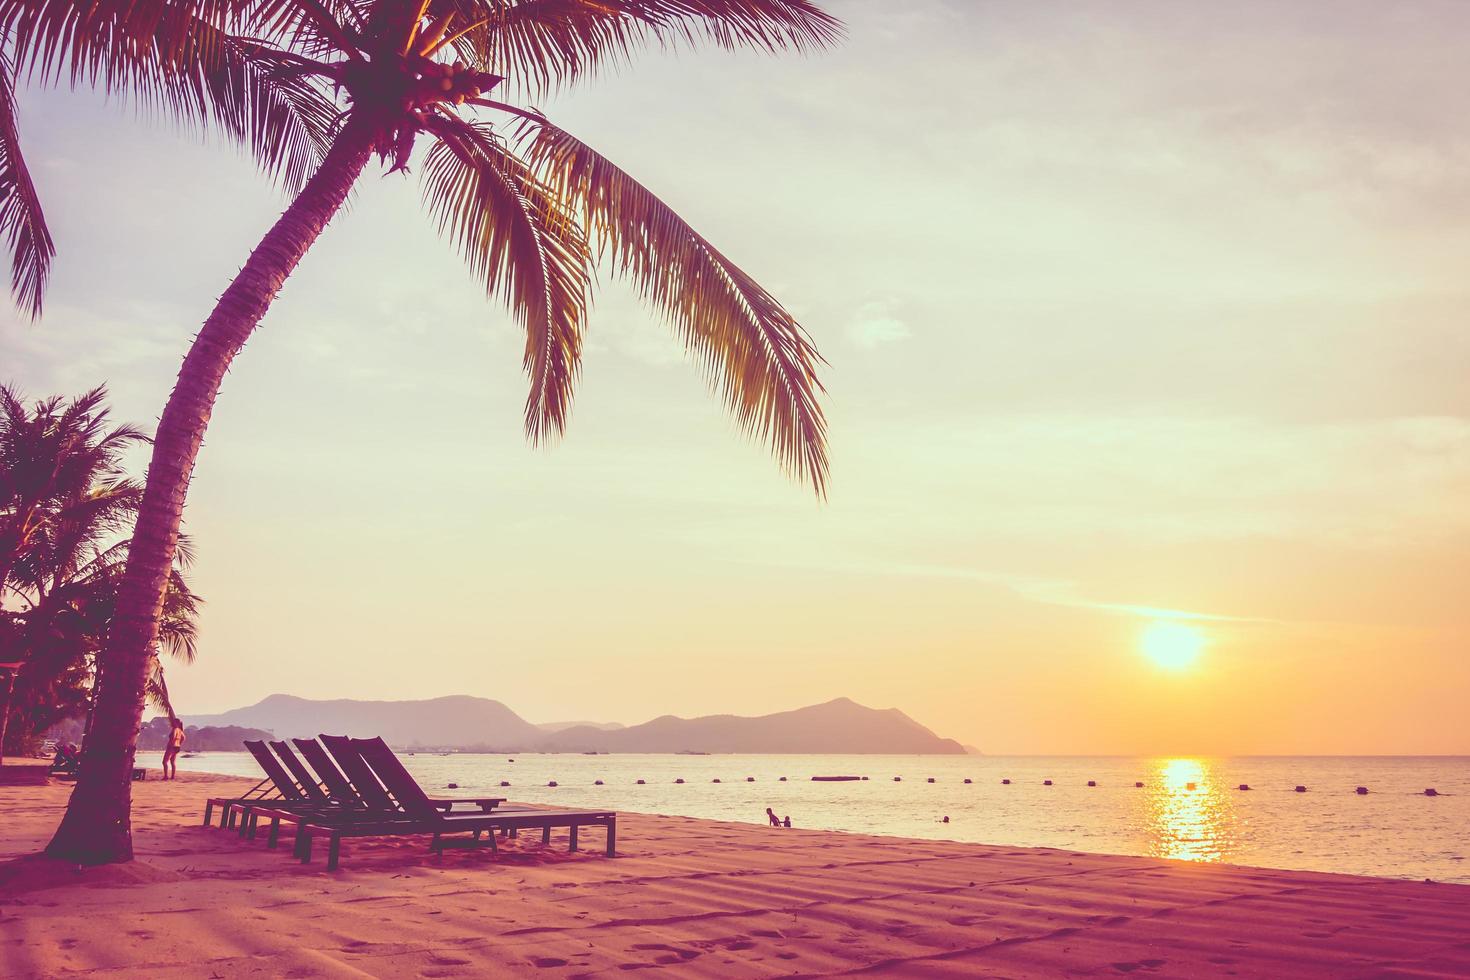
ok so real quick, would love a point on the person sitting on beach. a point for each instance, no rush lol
(775, 820)
(171, 750)
(66, 758)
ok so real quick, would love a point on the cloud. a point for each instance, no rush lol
(875, 326)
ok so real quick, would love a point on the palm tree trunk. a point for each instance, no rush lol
(96, 828)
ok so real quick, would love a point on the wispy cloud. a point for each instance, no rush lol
(1053, 592)
(876, 326)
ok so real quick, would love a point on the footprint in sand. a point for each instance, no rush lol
(546, 962)
(674, 953)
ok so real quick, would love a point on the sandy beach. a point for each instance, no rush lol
(693, 897)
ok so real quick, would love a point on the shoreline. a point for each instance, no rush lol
(699, 897)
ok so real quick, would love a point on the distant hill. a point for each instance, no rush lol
(561, 726)
(840, 726)
(457, 721)
(462, 722)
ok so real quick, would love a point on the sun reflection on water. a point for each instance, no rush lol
(1190, 815)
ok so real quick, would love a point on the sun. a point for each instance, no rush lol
(1171, 645)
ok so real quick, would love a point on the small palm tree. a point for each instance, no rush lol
(320, 87)
(66, 510)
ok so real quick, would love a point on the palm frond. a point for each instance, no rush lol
(752, 349)
(532, 254)
(21, 220)
(542, 44)
(178, 57)
(268, 100)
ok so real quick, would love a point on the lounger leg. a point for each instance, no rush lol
(208, 812)
(333, 849)
(437, 848)
(275, 833)
(612, 837)
(546, 834)
(573, 846)
(254, 823)
(226, 817)
(476, 838)
(303, 849)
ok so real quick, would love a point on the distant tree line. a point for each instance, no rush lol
(206, 738)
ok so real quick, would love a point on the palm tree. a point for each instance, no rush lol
(66, 509)
(320, 87)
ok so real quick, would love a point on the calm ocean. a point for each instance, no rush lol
(1188, 808)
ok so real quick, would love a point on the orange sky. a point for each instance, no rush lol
(1146, 305)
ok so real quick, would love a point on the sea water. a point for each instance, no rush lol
(1187, 808)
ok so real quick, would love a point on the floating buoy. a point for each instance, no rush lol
(1189, 786)
(946, 819)
(1138, 786)
(552, 784)
(640, 782)
(931, 779)
(714, 780)
(1005, 782)
(1092, 782)
(451, 785)
(1046, 782)
(750, 779)
(968, 781)
(678, 782)
(1301, 789)
(898, 779)
(865, 779)
(783, 779)
(510, 760)
(1244, 786)
(596, 782)
(1361, 791)
(1431, 791)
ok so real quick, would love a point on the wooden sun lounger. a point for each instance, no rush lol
(370, 789)
(422, 816)
(284, 788)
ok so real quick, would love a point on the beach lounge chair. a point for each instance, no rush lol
(369, 788)
(422, 815)
(276, 787)
(338, 788)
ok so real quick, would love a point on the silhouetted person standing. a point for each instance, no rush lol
(775, 820)
(171, 750)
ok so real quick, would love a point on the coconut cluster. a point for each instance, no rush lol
(442, 81)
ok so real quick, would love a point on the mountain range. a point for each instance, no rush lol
(471, 723)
